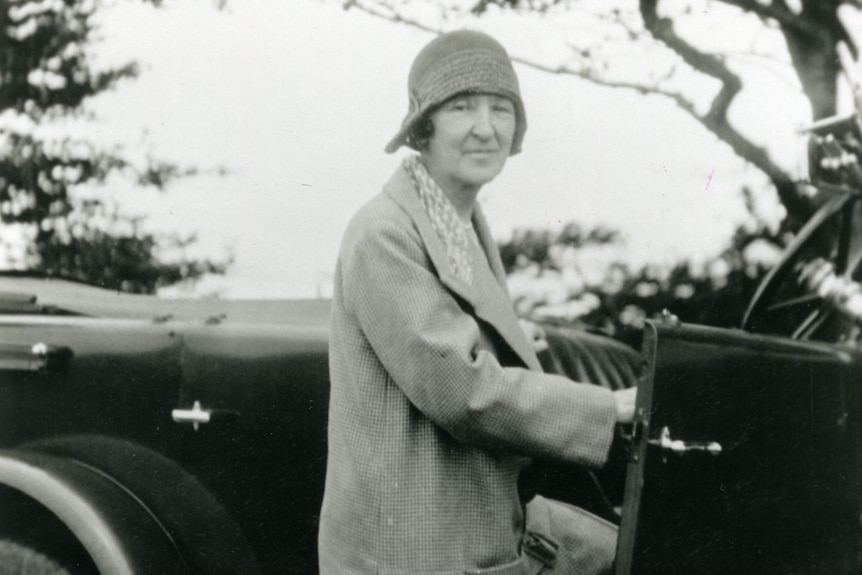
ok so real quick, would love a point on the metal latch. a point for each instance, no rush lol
(196, 416)
(679, 447)
(39, 357)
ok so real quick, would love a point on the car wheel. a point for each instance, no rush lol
(202, 530)
(33, 540)
(794, 299)
(18, 559)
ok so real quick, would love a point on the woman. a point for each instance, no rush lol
(437, 399)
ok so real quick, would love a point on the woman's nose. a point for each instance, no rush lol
(483, 126)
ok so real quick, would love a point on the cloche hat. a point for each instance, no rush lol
(454, 63)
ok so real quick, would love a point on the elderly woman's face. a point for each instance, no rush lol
(471, 141)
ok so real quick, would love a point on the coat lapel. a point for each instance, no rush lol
(488, 294)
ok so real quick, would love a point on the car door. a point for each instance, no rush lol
(253, 409)
(746, 457)
(69, 375)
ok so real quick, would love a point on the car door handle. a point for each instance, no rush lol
(679, 447)
(195, 416)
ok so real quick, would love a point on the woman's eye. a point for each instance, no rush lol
(502, 105)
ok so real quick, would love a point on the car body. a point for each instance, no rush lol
(93, 375)
(209, 415)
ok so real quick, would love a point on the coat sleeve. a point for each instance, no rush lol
(430, 347)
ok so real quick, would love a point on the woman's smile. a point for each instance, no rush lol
(471, 141)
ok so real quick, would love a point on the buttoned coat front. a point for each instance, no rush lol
(437, 403)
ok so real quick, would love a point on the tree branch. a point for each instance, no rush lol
(662, 30)
(775, 11)
(716, 119)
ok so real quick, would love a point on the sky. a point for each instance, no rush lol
(297, 98)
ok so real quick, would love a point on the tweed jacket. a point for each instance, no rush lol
(437, 402)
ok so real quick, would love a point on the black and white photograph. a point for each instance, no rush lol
(431, 287)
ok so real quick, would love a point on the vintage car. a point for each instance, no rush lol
(148, 435)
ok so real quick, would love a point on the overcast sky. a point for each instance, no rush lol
(297, 99)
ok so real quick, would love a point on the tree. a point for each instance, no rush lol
(678, 51)
(47, 78)
(699, 54)
(578, 276)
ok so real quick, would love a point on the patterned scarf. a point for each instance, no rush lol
(456, 235)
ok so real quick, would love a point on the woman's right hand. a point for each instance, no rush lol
(625, 404)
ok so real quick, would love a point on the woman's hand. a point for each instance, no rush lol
(625, 404)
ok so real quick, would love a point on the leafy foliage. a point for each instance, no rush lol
(47, 152)
(118, 254)
(701, 55)
(579, 276)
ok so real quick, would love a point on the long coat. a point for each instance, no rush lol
(437, 403)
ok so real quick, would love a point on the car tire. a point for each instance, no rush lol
(204, 532)
(33, 539)
(18, 559)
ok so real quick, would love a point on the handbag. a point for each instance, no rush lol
(561, 539)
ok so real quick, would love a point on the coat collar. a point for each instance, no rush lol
(489, 298)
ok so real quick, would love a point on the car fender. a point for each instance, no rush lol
(118, 533)
(199, 528)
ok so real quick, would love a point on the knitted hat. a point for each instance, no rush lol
(455, 63)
